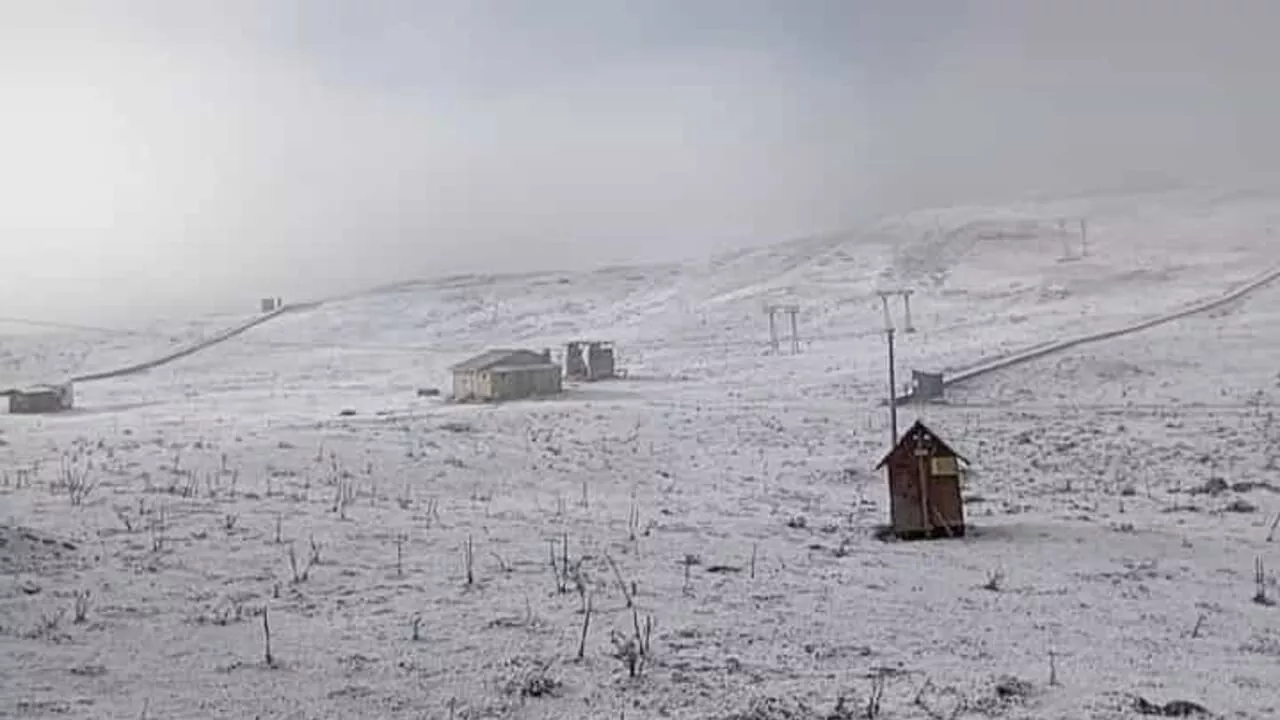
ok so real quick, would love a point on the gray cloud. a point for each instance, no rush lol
(199, 152)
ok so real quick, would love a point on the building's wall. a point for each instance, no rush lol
(945, 504)
(523, 383)
(26, 403)
(601, 362)
(472, 385)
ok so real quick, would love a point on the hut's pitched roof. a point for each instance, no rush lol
(919, 429)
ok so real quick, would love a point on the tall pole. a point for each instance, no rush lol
(795, 334)
(893, 391)
(773, 329)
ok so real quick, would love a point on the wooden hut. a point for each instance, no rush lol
(924, 486)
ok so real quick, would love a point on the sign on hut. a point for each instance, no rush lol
(924, 486)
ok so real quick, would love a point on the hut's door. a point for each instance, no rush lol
(946, 501)
(905, 498)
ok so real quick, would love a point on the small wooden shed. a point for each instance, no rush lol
(924, 486)
(41, 399)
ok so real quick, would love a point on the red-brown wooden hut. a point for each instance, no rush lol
(924, 486)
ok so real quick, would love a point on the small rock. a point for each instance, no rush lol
(1240, 505)
(1010, 687)
(1213, 486)
(1174, 709)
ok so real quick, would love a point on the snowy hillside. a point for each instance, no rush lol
(717, 509)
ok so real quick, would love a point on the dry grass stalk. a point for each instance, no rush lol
(586, 625)
(1195, 631)
(266, 640)
(875, 698)
(469, 560)
(81, 607)
(315, 550)
(157, 528)
(400, 541)
(1260, 580)
(689, 561)
(995, 580)
(503, 566)
(565, 573)
(633, 521)
(300, 574)
(622, 585)
(76, 478)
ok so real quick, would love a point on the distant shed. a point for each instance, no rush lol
(927, 386)
(924, 486)
(499, 375)
(41, 399)
(590, 360)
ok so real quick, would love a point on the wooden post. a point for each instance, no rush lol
(923, 479)
(893, 392)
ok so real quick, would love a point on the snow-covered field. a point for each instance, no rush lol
(717, 507)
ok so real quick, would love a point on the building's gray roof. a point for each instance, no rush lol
(505, 358)
(35, 390)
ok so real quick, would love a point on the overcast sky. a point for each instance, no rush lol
(206, 153)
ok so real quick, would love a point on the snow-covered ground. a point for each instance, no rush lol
(726, 494)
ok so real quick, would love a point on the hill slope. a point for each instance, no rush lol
(721, 503)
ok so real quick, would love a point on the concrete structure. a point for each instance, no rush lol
(924, 486)
(595, 361)
(42, 399)
(498, 375)
(926, 386)
(575, 363)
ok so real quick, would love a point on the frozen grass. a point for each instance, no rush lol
(695, 542)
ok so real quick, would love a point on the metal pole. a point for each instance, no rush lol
(773, 330)
(795, 335)
(893, 392)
